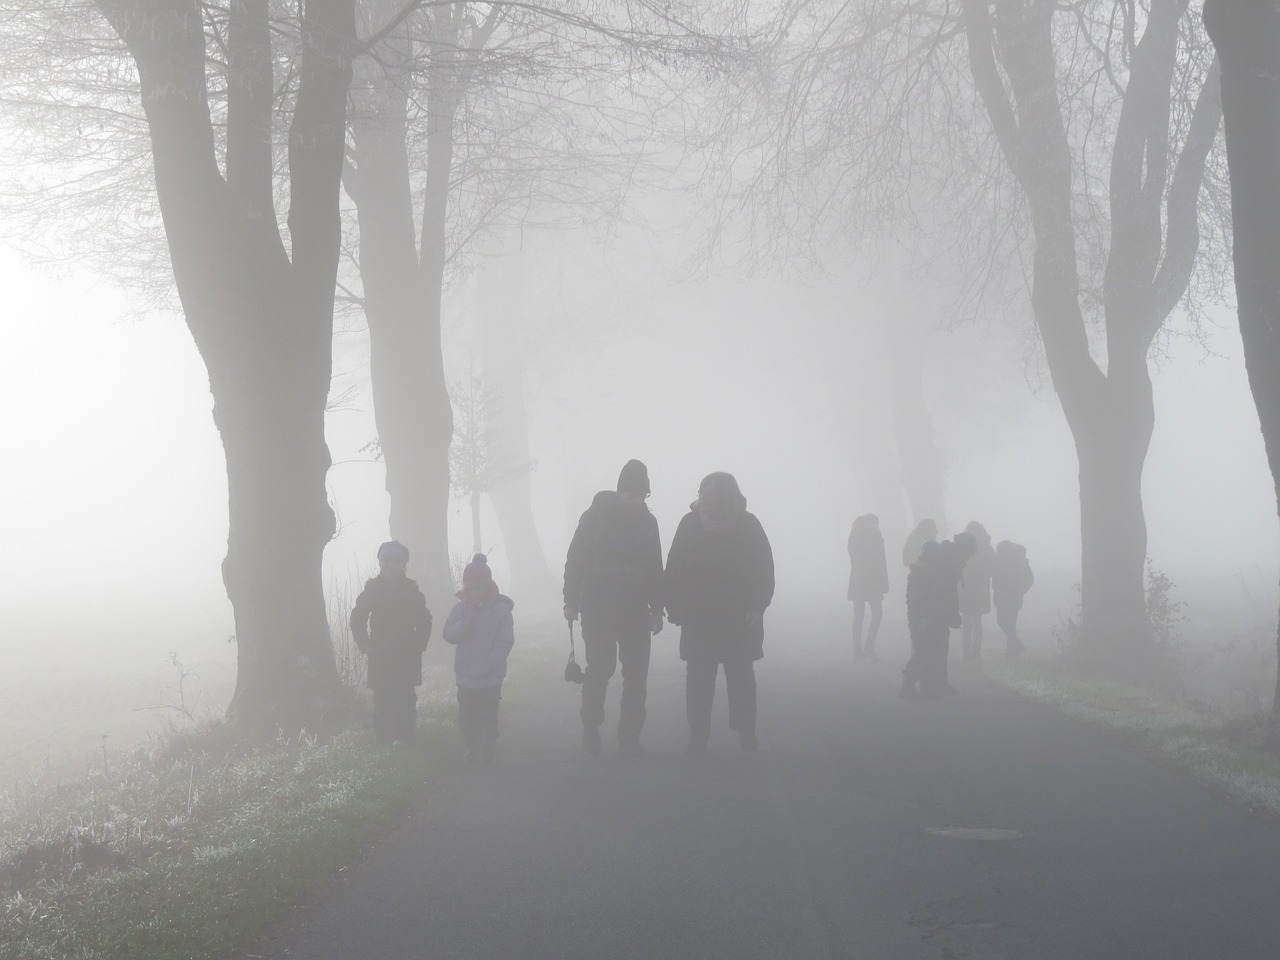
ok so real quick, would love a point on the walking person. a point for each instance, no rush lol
(718, 583)
(924, 531)
(975, 590)
(1011, 578)
(481, 628)
(868, 582)
(613, 580)
(933, 610)
(390, 623)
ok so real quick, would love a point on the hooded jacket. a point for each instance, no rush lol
(868, 569)
(717, 586)
(483, 633)
(613, 571)
(391, 624)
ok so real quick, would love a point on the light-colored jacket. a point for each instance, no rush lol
(483, 632)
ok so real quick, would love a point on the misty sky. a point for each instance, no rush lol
(117, 491)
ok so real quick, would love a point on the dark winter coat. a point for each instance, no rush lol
(484, 633)
(1011, 576)
(933, 605)
(613, 572)
(868, 569)
(717, 586)
(391, 624)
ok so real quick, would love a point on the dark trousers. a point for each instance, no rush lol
(395, 712)
(700, 694)
(930, 647)
(606, 646)
(1007, 621)
(859, 612)
(478, 717)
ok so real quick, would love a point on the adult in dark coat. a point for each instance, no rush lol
(613, 579)
(390, 623)
(868, 582)
(718, 582)
(1011, 578)
(975, 590)
(933, 610)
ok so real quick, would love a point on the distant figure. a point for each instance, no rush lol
(975, 591)
(868, 582)
(933, 610)
(1011, 578)
(613, 577)
(391, 625)
(718, 582)
(481, 628)
(925, 530)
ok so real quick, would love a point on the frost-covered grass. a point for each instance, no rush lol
(189, 846)
(1236, 753)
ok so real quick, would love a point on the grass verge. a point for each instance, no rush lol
(192, 848)
(1237, 756)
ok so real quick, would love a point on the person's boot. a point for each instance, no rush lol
(908, 689)
(1015, 647)
(749, 741)
(591, 740)
(629, 748)
(870, 655)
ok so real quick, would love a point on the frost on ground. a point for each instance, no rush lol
(1233, 751)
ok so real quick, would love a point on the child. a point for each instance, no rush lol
(481, 627)
(1011, 578)
(391, 625)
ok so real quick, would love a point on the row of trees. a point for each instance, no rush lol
(1076, 141)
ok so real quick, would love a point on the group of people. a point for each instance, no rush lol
(715, 586)
(717, 581)
(950, 584)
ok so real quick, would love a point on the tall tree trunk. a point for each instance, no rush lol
(1154, 239)
(502, 292)
(1247, 38)
(262, 323)
(402, 293)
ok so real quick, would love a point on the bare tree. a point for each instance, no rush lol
(466, 116)
(260, 308)
(1080, 133)
(1247, 38)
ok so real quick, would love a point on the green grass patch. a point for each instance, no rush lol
(1238, 756)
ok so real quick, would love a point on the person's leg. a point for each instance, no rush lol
(966, 635)
(633, 654)
(740, 686)
(487, 726)
(873, 629)
(466, 721)
(1007, 621)
(977, 635)
(382, 724)
(916, 669)
(699, 695)
(406, 713)
(601, 651)
(859, 611)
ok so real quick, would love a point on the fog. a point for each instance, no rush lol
(117, 494)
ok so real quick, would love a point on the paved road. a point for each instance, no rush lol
(867, 827)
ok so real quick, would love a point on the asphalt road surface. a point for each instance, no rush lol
(870, 827)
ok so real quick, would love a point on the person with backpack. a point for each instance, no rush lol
(613, 581)
(1011, 578)
(391, 625)
(481, 628)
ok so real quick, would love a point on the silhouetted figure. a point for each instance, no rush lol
(390, 623)
(613, 577)
(481, 628)
(925, 530)
(718, 582)
(933, 610)
(1011, 578)
(868, 582)
(975, 590)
